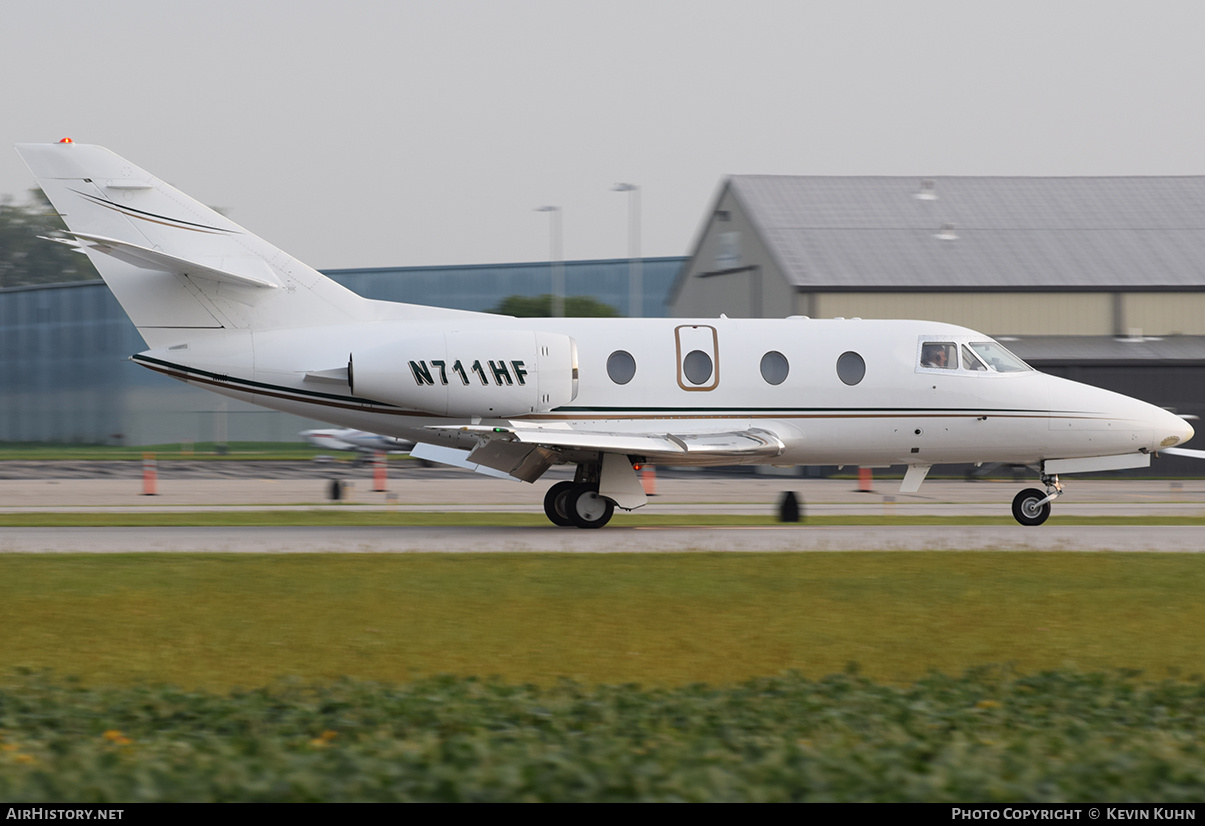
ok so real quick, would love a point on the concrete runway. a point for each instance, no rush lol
(1166, 539)
(47, 487)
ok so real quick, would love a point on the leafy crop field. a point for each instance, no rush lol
(602, 677)
(987, 736)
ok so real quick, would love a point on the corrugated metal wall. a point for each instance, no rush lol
(483, 287)
(997, 313)
(65, 374)
(63, 363)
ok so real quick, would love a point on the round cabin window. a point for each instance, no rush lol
(774, 367)
(621, 367)
(851, 369)
(697, 367)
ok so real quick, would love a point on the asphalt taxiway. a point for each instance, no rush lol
(189, 486)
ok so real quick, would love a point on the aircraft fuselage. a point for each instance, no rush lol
(897, 411)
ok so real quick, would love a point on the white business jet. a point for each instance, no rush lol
(222, 309)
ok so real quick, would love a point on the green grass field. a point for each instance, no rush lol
(224, 621)
(602, 677)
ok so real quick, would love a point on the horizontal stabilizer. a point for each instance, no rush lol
(243, 272)
(75, 246)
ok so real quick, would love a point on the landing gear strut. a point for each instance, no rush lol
(1031, 506)
(578, 503)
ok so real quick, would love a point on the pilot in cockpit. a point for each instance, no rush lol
(935, 354)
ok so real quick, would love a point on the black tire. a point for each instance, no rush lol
(1026, 509)
(587, 509)
(555, 504)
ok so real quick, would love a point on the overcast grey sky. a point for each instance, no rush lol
(406, 132)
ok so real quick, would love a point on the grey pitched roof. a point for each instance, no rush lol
(1107, 349)
(1029, 233)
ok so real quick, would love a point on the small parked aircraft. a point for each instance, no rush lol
(360, 441)
(222, 309)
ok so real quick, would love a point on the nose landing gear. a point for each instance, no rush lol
(1031, 506)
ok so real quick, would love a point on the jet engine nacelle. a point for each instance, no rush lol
(463, 374)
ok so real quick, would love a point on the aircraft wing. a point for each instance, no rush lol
(1184, 451)
(526, 451)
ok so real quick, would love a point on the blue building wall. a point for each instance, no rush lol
(482, 288)
(63, 363)
(65, 374)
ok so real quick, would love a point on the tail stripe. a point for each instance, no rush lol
(129, 213)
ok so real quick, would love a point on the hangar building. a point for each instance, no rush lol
(1101, 280)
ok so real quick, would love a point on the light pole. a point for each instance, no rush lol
(635, 276)
(556, 260)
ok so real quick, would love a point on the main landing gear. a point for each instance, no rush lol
(1031, 506)
(577, 504)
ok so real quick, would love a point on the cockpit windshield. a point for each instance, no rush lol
(979, 357)
(997, 358)
(970, 361)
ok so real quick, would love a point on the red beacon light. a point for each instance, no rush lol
(66, 140)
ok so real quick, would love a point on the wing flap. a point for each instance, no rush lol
(526, 462)
(456, 458)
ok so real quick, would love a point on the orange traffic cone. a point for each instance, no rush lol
(378, 474)
(648, 480)
(150, 475)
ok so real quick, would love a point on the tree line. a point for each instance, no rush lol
(25, 258)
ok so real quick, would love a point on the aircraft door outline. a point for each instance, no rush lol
(697, 347)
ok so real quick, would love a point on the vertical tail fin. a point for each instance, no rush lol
(173, 263)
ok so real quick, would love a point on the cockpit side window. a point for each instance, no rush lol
(939, 354)
(970, 361)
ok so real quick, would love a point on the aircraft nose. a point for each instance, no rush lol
(1171, 430)
(1186, 431)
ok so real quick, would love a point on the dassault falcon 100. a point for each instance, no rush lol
(224, 310)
